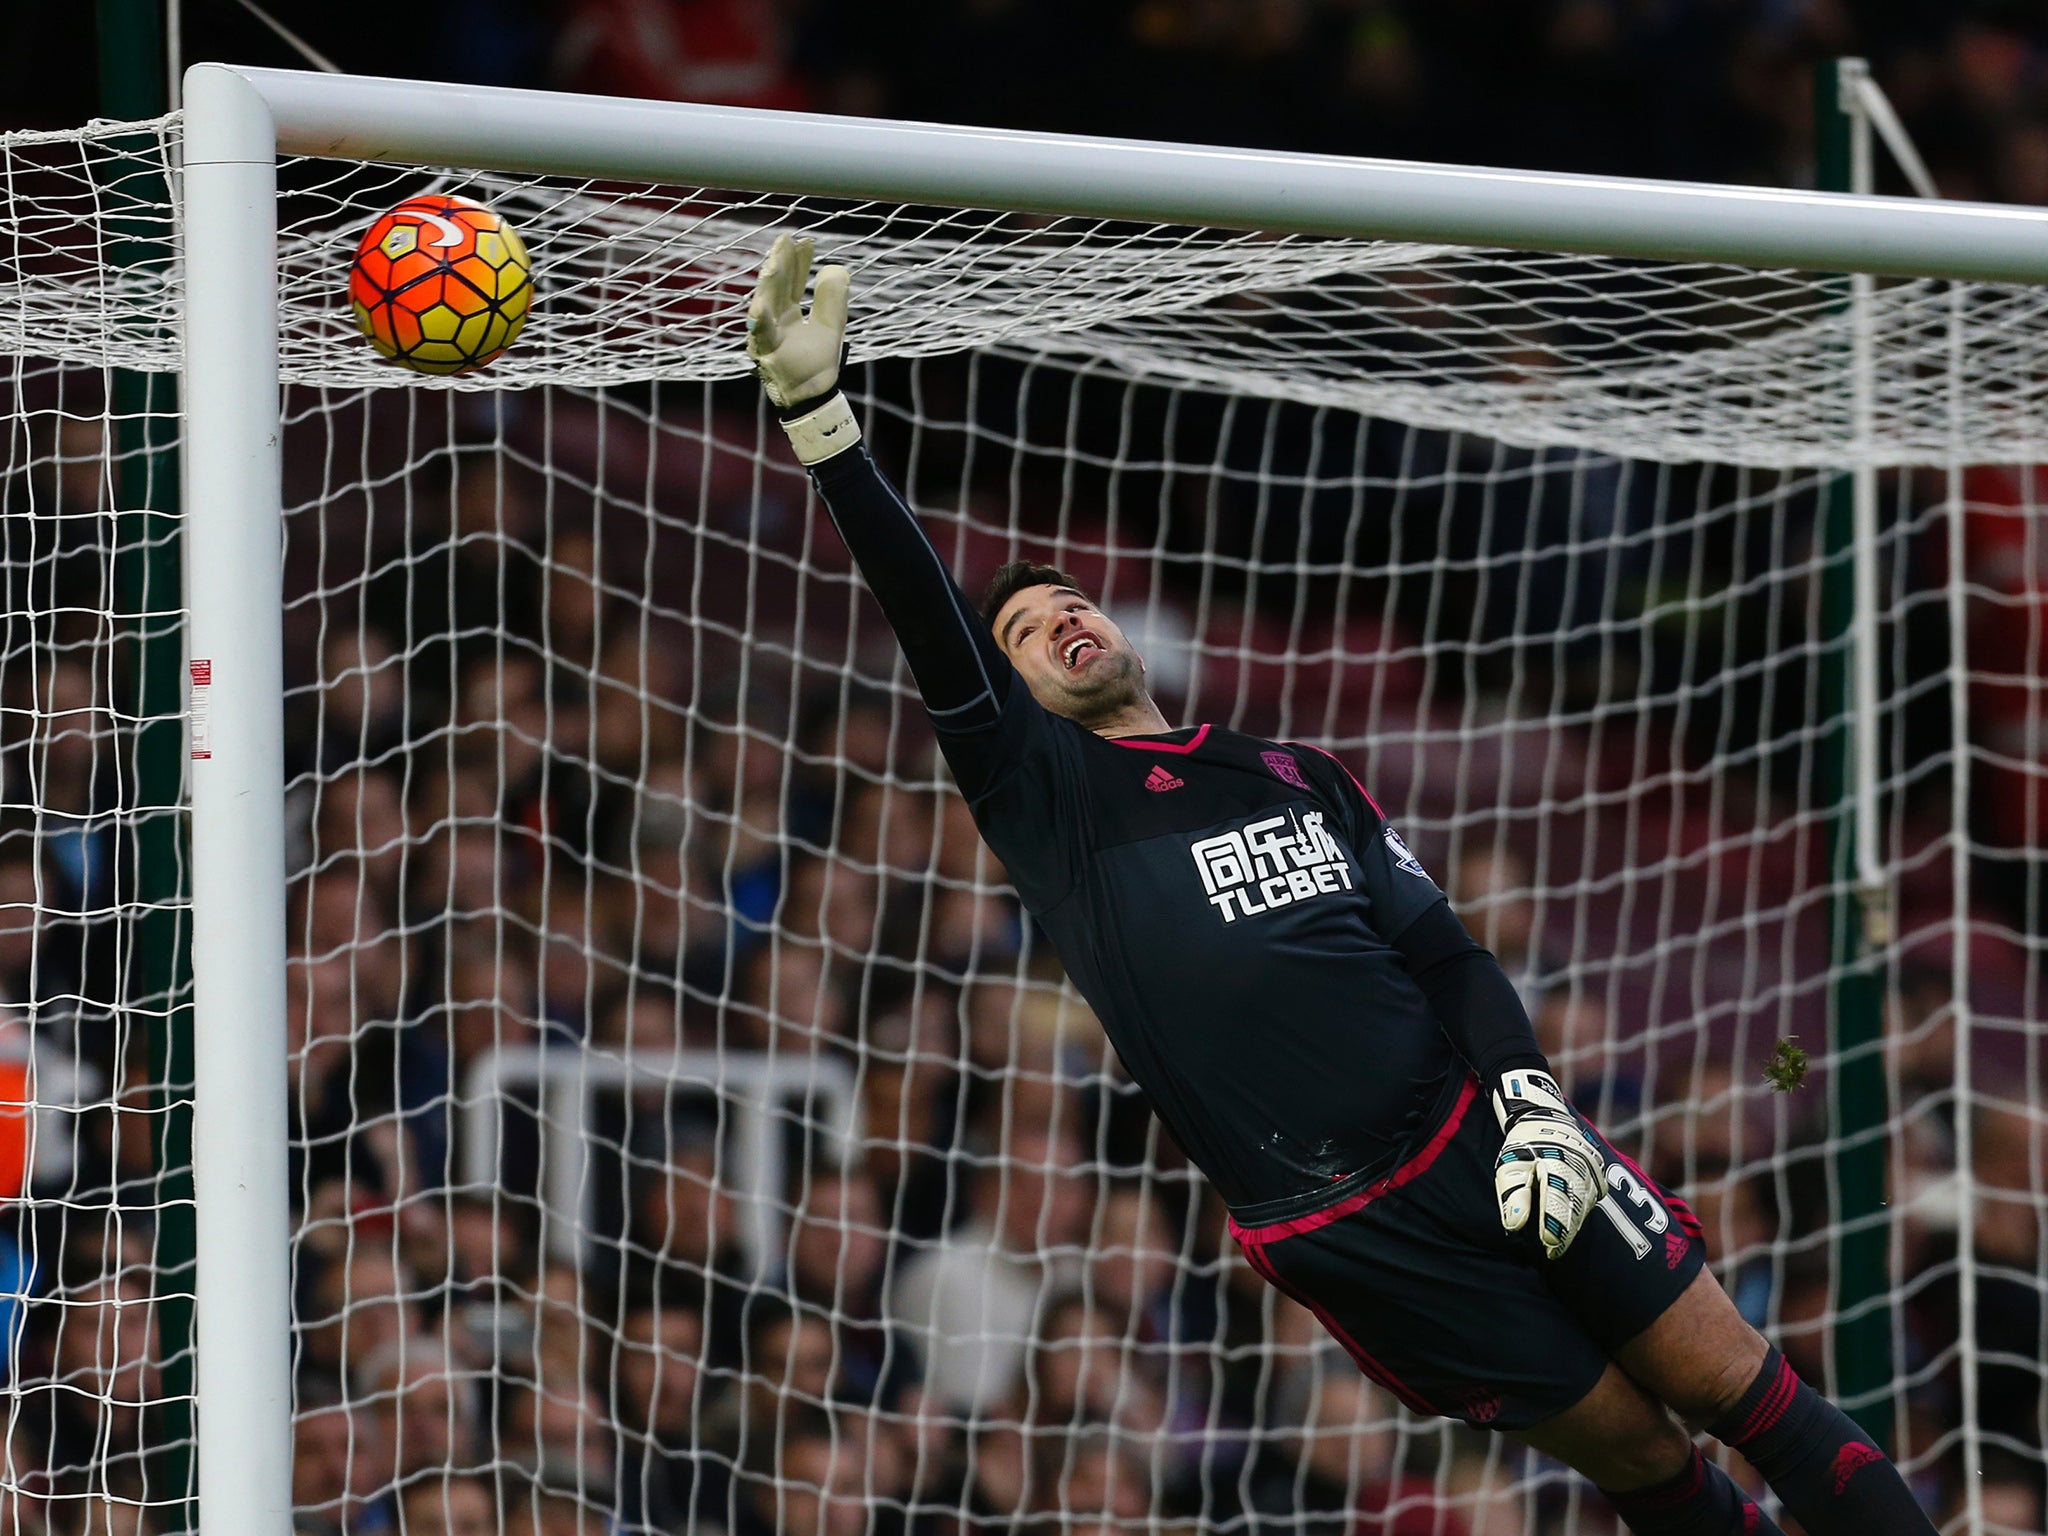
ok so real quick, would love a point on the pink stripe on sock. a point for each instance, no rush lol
(1775, 1401)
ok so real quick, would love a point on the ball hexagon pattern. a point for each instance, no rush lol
(441, 284)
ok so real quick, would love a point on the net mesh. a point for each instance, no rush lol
(95, 1288)
(688, 1130)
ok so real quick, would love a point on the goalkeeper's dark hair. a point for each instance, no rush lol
(1014, 578)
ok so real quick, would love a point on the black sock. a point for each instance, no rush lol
(1701, 1501)
(1829, 1474)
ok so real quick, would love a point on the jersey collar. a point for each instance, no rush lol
(1157, 742)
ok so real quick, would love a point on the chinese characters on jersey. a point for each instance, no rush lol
(1269, 864)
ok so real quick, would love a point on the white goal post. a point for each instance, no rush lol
(238, 121)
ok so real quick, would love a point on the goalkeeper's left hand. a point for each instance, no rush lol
(797, 355)
(1548, 1166)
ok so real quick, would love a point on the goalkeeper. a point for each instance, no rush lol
(1328, 1045)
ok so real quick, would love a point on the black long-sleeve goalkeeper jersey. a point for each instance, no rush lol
(1279, 974)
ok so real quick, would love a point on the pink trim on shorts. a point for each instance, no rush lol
(1414, 1168)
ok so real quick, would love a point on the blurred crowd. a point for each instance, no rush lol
(574, 853)
(620, 833)
(1695, 89)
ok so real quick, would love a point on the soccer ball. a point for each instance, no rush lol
(441, 284)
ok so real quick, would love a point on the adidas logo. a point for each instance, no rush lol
(1674, 1248)
(1851, 1459)
(1160, 780)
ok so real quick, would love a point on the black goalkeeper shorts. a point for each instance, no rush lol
(1414, 1276)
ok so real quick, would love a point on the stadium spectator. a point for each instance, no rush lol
(425, 1403)
(362, 1302)
(89, 1388)
(535, 1506)
(20, 899)
(509, 726)
(1096, 1473)
(119, 1506)
(644, 1019)
(786, 1365)
(564, 1344)
(742, 777)
(836, 903)
(1741, 1223)
(812, 1480)
(2008, 1154)
(659, 1397)
(681, 50)
(2010, 1493)
(970, 1303)
(1495, 890)
(1084, 1372)
(492, 995)
(558, 1432)
(335, 1460)
(888, 826)
(361, 704)
(1347, 1478)
(837, 1263)
(1014, 1026)
(577, 971)
(633, 719)
(465, 865)
(972, 928)
(1578, 1034)
(39, 942)
(359, 829)
(672, 917)
(447, 1506)
(1133, 1260)
(848, 737)
(331, 914)
(909, 1087)
(683, 1241)
(789, 998)
(1000, 1488)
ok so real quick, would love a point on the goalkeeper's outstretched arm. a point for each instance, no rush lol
(965, 678)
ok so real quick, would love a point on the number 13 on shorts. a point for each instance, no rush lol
(1624, 1186)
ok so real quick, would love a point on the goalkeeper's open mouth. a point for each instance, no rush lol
(1077, 650)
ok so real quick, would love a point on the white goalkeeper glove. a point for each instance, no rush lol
(1548, 1166)
(797, 355)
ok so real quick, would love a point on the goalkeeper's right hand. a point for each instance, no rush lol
(797, 355)
(1549, 1170)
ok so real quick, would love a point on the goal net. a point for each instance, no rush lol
(689, 1132)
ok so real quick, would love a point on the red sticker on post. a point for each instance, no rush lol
(202, 697)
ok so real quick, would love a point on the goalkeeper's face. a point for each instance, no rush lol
(1071, 654)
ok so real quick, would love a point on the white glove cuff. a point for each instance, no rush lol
(1525, 1089)
(819, 434)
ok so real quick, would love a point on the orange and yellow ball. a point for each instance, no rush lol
(441, 284)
